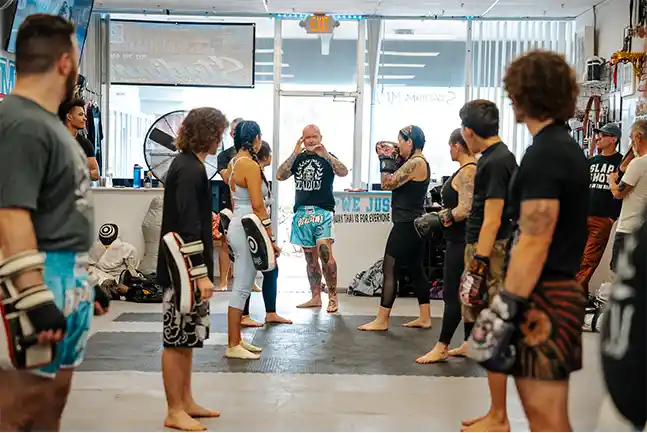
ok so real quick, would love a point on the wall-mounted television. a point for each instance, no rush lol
(77, 11)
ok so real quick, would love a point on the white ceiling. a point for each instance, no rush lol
(401, 8)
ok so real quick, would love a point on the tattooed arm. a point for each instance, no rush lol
(408, 171)
(285, 170)
(527, 258)
(464, 184)
(337, 166)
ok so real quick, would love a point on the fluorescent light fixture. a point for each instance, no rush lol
(400, 65)
(266, 50)
(393, 77)
(269, 74)
(410, 53)
(283, 65)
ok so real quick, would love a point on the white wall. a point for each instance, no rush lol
(612, 16)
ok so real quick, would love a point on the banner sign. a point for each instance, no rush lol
(7, 75)
(363, 209)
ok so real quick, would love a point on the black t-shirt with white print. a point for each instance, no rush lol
(601, 201)
(313, 180)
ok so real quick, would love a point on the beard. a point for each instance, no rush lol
(70, 87)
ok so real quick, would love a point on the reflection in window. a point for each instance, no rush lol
(495, 45)
(421, 81)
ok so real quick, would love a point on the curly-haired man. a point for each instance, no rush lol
(532, 329)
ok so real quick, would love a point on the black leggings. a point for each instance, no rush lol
(404, 249)
(270, 282)
(452, 271)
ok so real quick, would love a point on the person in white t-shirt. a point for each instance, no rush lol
(631, 188)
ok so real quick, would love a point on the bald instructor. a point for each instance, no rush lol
(314, 170)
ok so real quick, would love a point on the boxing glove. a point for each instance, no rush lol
(446, 217)
(496, 332)
(473, 284)
(429, 226)
(389, 157)
(43, 314)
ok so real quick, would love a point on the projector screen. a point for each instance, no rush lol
(182, 54)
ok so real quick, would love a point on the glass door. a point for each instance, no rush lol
(334, 114)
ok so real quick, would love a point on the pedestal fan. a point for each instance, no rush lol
(159, 146)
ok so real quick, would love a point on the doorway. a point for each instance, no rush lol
(334, 114)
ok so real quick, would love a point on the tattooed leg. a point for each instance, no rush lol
(329, 266)
(314, 277)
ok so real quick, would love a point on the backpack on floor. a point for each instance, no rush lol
(368, 282)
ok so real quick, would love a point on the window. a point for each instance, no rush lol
(421, 81)
(133, 109)
(495, 44)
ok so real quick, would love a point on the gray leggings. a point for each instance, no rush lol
(244, 269)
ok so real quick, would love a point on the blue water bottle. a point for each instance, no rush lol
(137, 176)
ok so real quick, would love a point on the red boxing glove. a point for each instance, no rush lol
(473, 286)
(389, 156)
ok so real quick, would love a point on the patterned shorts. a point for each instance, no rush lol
(185, 331)
(495, 279)
(550, 343)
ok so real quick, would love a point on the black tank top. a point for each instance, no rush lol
(455, 232)
(408, 201)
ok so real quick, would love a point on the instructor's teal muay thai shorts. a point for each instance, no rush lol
(311, 224)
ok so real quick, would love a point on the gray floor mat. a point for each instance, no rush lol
(325, 345)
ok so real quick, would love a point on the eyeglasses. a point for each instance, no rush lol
(604, 135)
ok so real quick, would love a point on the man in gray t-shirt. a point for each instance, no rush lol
(46, 220)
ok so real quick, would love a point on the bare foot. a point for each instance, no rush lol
(486, 423)
(275, 318)
(248, 322)
(375, 325)
(418, 323)
(222, 288)
(183, 422)
(312, 303)
(256, 289)
(196, 411)
(437, 354)
(461, 352)
(333, 305)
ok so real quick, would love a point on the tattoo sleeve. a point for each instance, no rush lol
(404, 174)
(285, 169)
(536, 228)
(338, 167)
(465, 187)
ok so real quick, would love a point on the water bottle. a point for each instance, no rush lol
(137, 176)
(109, 180)
(148, 180)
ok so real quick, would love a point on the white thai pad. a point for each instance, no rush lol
(19, 348)
(225, 219)
(184, 268)
(259, 242)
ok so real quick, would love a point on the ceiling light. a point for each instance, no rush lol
(393, 77)
(409, 53)
(283, 65)
(490, 8)
(400, 65)
(264, 73)
(287, 76)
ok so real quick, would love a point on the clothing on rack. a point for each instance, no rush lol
(94, 132)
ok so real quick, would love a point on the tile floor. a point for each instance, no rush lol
(119, 387)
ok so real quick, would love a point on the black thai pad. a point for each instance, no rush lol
(225, 220)
(186, 265)
(259, 243)
(18, 340)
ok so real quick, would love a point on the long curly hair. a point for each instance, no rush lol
(542, 85)
(201, 128)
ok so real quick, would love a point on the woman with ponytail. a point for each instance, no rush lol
(248, 188)
(270, 278)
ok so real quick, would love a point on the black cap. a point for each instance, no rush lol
(611, 129)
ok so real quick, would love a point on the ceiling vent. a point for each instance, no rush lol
(403, 31)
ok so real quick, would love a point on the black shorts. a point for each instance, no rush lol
(550, 340)
(404, 244)
(184, 331)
